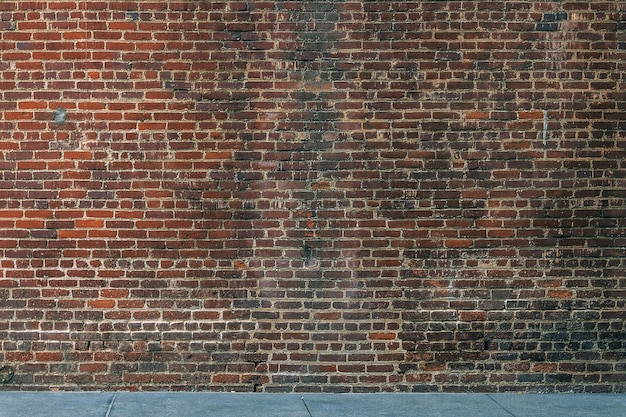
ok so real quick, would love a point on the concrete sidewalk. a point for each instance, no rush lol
(168, 404)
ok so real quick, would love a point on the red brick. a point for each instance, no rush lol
(560, 294)
(382, 336)
(338, 196)
(48, 356)
(472, 315)
(93, 367)
(101, 303)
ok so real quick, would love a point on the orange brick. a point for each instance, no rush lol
(537, 114)
(89, 223)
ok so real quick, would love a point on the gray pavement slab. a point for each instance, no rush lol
(181, 404)
(570, 405)
(403, 405)
(51, 404)
(163, 404)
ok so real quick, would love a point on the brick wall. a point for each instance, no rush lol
(313, 195)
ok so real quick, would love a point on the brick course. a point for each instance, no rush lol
(336, 196)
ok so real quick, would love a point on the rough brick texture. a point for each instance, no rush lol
(313, 195)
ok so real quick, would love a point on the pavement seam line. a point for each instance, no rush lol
(305, 406)
(500, 405)
(108, 414)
